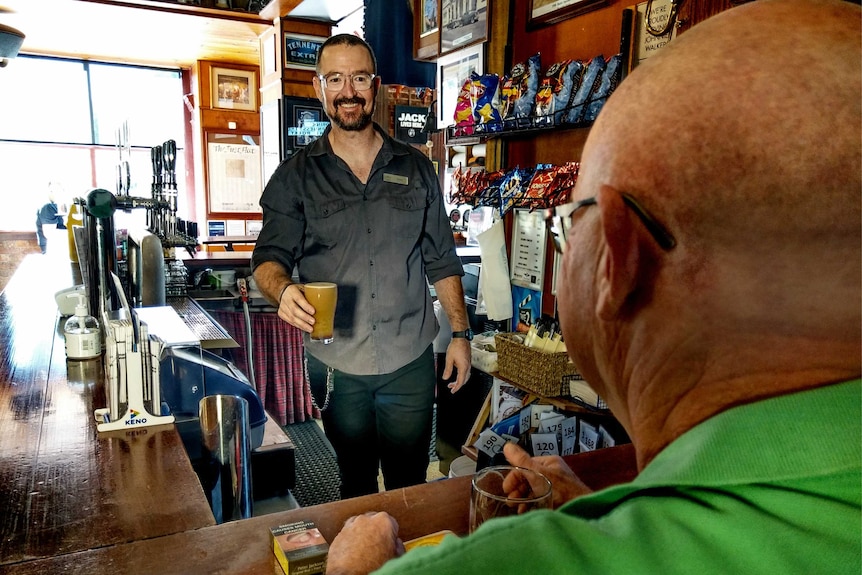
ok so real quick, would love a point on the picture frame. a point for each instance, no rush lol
(303, 121)
(546, 12)
(426, 30)
(233, 89)
(640, 43)
(300, 50)
(452, 71)
(462, 26)
(233, 175)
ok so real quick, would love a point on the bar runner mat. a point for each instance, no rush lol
(317, 479)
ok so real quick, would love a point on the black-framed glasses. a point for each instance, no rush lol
(559, 220)
(336, 81)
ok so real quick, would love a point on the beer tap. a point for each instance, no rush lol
(169, 150)
(152, 216)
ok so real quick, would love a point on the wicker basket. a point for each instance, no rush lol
(536, 371)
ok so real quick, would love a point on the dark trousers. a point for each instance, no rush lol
(378, 421)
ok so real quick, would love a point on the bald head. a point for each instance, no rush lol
(751, 110)
(742, 137)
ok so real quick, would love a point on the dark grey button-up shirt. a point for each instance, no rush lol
(377, 241)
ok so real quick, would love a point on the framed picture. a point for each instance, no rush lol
(544, 12)
(452, 71)
(429, 23)
(426, 30)
(300, 50)
(233, 173)
(303, 121)
(234, 89)
(642, 40)
(462, 24)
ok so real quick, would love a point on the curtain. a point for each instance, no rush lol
(389, 32)
(278, 363)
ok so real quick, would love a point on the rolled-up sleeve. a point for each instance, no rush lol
(281, 237)
(438, 244)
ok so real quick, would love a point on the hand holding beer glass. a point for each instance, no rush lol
(505, 490)
(323, 296)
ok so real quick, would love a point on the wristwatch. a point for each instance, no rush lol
(466, 334)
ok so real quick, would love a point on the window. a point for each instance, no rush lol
(58, 123)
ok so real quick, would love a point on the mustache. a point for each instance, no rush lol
(352, 100)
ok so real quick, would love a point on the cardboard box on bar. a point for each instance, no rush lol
(300, 548)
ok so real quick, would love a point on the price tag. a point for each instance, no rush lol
(569, 435)
(544, 444)
(553, 423)
(588, 439)
(607, 439)
(538, 410)
(526, 416)
(490, 443)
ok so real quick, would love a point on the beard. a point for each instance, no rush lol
(360, 122)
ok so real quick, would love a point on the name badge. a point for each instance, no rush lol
(396, 179)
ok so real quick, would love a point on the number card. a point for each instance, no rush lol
(544, 444)
(490, 443)
(588, 439)
(606, 437)
(537, 412)
(526, 415)
(570, 435)
(551, 422)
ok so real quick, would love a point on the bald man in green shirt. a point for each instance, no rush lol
(710, 292)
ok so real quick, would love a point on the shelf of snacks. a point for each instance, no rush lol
(569, 95)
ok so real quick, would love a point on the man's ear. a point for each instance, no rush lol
(618, 269)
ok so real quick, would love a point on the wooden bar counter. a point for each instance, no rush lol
(63, 487)
(72, 501)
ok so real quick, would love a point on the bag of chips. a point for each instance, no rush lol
(555, 92)
(589, 83)
(464, 120)
(485, 97)
(611, 77)
(518, 92)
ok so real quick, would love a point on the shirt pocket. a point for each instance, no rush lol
(408, 213)
(325, 220)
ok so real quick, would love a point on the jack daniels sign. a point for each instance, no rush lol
(409, 121)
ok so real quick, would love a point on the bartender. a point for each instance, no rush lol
(364, 211)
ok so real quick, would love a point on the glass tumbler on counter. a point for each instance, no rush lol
(492, 495)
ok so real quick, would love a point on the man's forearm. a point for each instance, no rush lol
(450, 294)
(272, 279)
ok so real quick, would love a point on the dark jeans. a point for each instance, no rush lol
(378, 421)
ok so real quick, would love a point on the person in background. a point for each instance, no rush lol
(48, 214)
(364, 211)
(710, 292)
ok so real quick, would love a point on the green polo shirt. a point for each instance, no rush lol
(769, 487)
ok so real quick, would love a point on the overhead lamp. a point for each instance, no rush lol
(10, 42)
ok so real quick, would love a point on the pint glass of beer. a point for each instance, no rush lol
(323, 296)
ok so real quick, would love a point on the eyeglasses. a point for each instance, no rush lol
(336, 80)
(559, 220)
